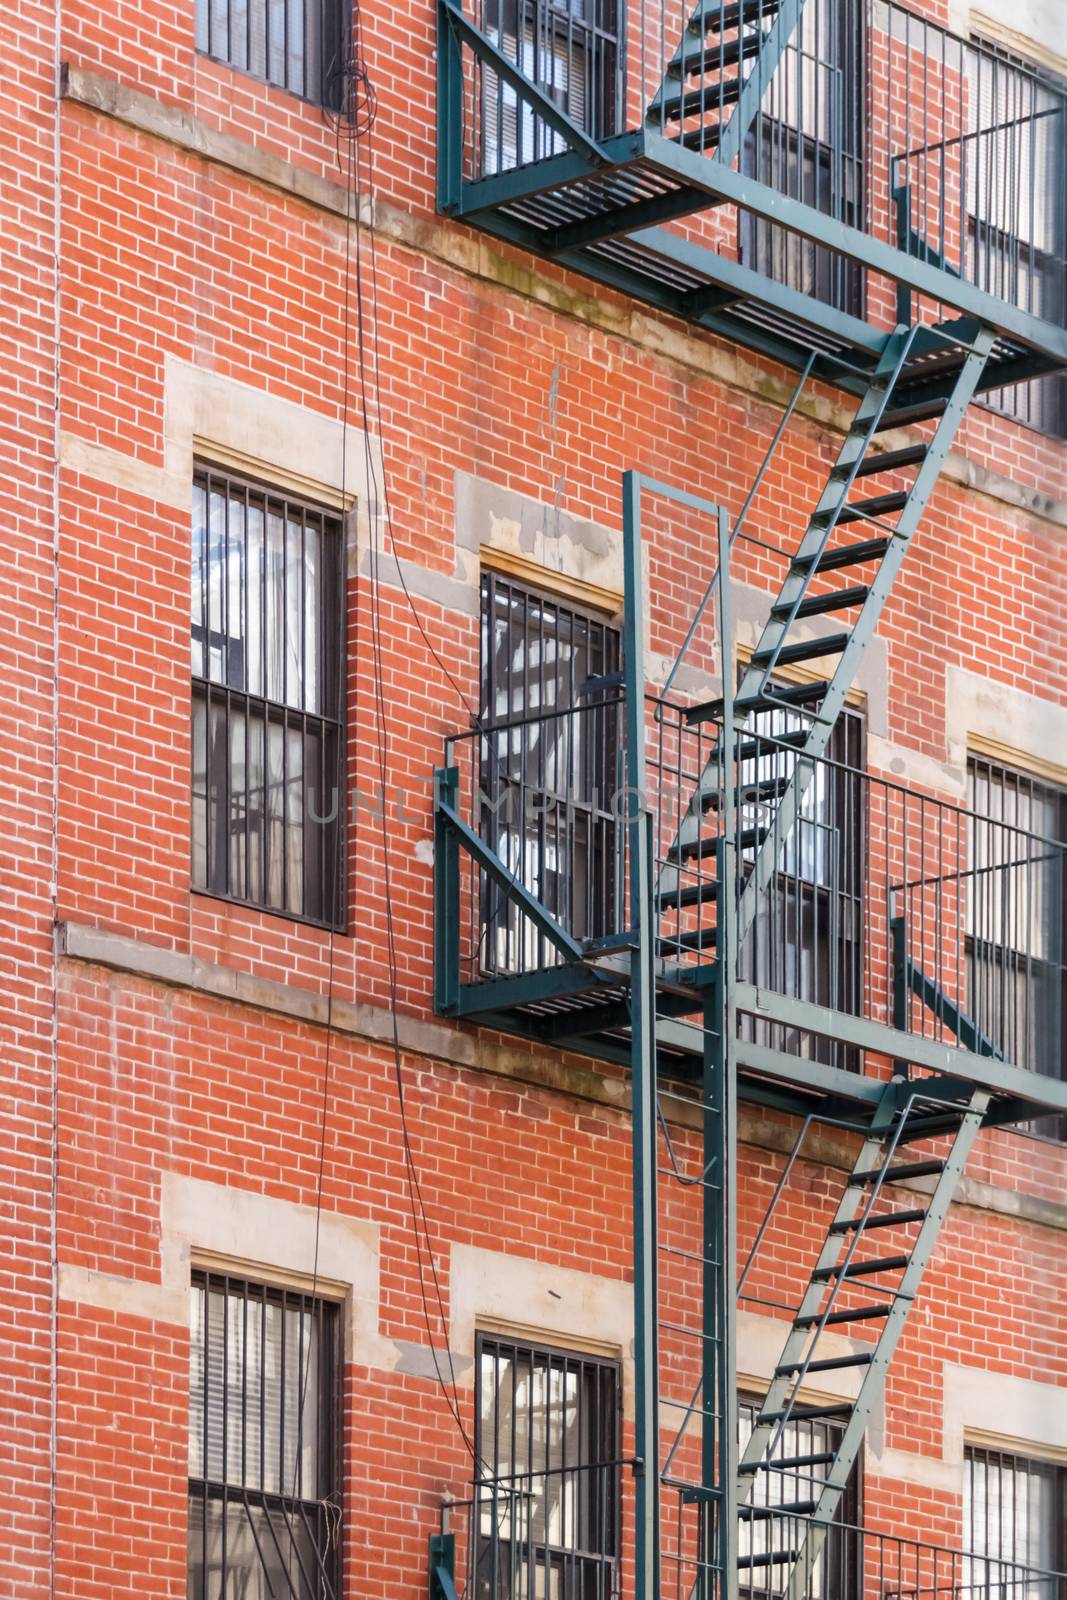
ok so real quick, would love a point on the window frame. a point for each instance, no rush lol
(995, 771)
(797, 160)
(568, 1559)
(780, 929)
(589, 738)
(1018, 1456)
(332, 623)
(330, 94)
(1018, 402)
(543, 26)
(206, 1489)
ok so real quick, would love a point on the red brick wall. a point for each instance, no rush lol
(166, 255)
(27, 476)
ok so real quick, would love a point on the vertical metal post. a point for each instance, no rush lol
(720, 1130)
(449, 113)
(446, 895)
(642, 1061)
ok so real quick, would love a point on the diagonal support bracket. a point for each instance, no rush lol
(508, 72)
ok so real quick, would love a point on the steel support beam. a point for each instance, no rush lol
(725, 183)
(643, 1066)
(1043, 1094)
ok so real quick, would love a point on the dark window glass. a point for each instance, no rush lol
(267, 745)
(547, 1488)
(264, 1504)
(1016, 931)
(296, 44)
(807, 939)
(1015, 1526)
(1016, 175)
(571, 50)
(839, 1570)
(808, 142)
(549, 769)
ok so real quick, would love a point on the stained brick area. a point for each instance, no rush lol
(500, 368)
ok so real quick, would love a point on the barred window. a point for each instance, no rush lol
(808, 936)
(267, 734)
(568, 48)
(547, 1489)
(550, 768)
(1016, 928)
(295, 44)
(264, 1504)
(838, 1573)
(1015, 1526)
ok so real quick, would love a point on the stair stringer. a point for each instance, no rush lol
(848, 663)
(873, 1384)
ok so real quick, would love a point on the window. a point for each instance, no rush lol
(264, 1506)
(1016, 928)
(808, 142)
(570, 50)
(838, 1572)
(296, 44)
(1015, 1526)
(550, 769)
(267, 736)
(547, 1490)
(1016, 175)
(807, 939)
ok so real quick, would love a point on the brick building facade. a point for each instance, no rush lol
(237, 323)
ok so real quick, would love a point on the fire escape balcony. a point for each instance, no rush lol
(894, 926)
(788, 174)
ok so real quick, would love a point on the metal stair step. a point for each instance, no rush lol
(908, 411)
(692, 939)
(694, 894)
(843, 555)
(703, 138)
(861, 1358)
(791, 694)
(796, 1508)
(750, 794)
(858, 1314)
(843, 1408)
(805, 650)
(931, 1127)
(897, 1219)
(861, 1269)
(740, 15)
(748, 839)
(767, 1558)
(820, 1458)
(880, 505)
(912, 455)
(714, 58)
(901, 1172)
(814, 605)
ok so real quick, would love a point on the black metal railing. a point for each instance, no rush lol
(545, 793)
(868, 112)
(881, 902)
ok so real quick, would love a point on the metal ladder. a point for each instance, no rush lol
(719, 39)
(923, 373)
(908, 1112)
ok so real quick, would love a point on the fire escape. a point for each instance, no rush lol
(865, 198)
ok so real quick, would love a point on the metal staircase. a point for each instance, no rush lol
(732, 52)
(907, 1114)
(924, 373)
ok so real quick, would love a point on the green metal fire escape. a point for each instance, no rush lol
(672, 993)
